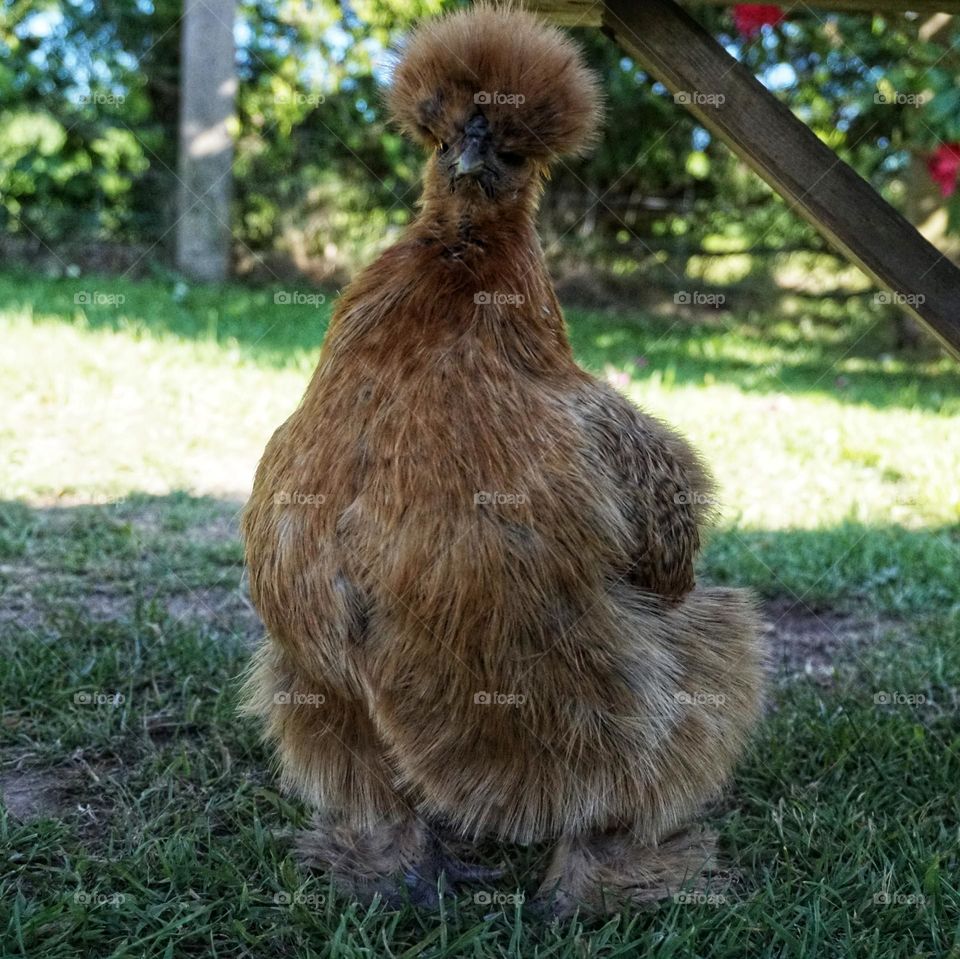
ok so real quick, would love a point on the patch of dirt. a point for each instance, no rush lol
(813, 644)
(76, 789)
(228, 609)
(35, 793)
(217, 526)
(35, 588)
(18, 605)
(222, 527)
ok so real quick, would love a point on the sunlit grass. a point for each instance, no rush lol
(175, 388)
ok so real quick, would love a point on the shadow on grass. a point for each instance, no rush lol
(848, 360)
(846, 365)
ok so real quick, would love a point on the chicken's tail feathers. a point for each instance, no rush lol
(716, 638)
(719, 634)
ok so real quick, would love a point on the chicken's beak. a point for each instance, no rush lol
(471, 160)
(475, 147)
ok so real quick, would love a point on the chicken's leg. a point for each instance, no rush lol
(394, 860)
(605, 871)
(397, 860)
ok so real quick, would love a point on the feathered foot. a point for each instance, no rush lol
(603, 873)
(401, 861)
(456, 869)
(394, 860)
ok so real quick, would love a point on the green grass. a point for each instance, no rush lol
(148, 823)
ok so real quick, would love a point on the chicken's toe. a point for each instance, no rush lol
(456, 870)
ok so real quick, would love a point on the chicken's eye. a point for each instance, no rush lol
(511, 159)
(442, 147)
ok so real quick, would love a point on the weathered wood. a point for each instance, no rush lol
(208, 87)
(568, 13)
(730, 102)
(589, 13)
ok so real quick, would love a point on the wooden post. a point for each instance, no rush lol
(730, 102)
(208, 87)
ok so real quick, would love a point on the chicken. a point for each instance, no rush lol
(474, 560)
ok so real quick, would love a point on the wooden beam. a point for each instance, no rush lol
(730, 102)
(589, 13)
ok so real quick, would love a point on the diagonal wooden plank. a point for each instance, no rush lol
(735, 106)
(589, 13)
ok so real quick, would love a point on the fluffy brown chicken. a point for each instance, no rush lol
(473, 559)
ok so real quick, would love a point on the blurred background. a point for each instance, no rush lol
(166, 279)
(90, 95)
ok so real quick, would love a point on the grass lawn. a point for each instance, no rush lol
(141, 817)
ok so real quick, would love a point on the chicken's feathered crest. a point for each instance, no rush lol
(527, 78)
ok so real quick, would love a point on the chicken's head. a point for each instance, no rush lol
(496, 94)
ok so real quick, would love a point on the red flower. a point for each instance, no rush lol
(944, 167)
(750, 17)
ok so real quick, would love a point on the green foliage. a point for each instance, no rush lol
(88, 118)
(881, 90)
(88, 136)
